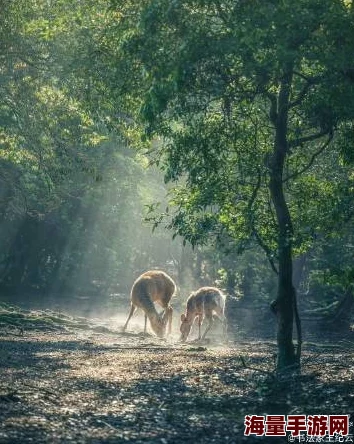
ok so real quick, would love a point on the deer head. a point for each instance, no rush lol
(158, 323)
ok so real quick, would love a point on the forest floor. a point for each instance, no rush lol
(64, 384)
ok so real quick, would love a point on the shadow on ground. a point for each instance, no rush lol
(85, 388)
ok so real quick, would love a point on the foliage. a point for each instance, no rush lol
(246, 97)
(46, 135)
(205, 73)
(329, 272)
(72, 194)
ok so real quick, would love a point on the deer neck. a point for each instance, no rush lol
(190, 315)
(150, 310)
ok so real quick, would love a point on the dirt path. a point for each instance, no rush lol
(85, 387)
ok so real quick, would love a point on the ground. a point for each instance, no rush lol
(98, 385)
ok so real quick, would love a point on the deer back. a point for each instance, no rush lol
(205, 299)
(153, 286)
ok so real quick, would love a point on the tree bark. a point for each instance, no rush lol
(285, 304)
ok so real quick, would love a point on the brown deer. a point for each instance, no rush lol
(202, 304)
(153, 286)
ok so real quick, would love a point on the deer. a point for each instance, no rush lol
(153, 286)
(203, 304)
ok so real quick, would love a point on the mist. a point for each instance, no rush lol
(82, 256)
(80, 251)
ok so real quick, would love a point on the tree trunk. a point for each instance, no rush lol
(285, 304)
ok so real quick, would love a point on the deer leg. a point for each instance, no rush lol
(224, 327)
(211, 321)
(170, 313)
(222, 318)
(145, 324)
(132, 310)
(199, 326)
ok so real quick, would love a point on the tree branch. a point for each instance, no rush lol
(311, 138)
(313, 157)
(301, 96)
(259, 239)
(266, 249)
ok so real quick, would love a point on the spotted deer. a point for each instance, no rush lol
(153, 286)
(203, 304)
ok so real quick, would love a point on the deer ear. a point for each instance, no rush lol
(183, 317)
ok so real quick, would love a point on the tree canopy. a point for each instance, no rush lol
(246, 98)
